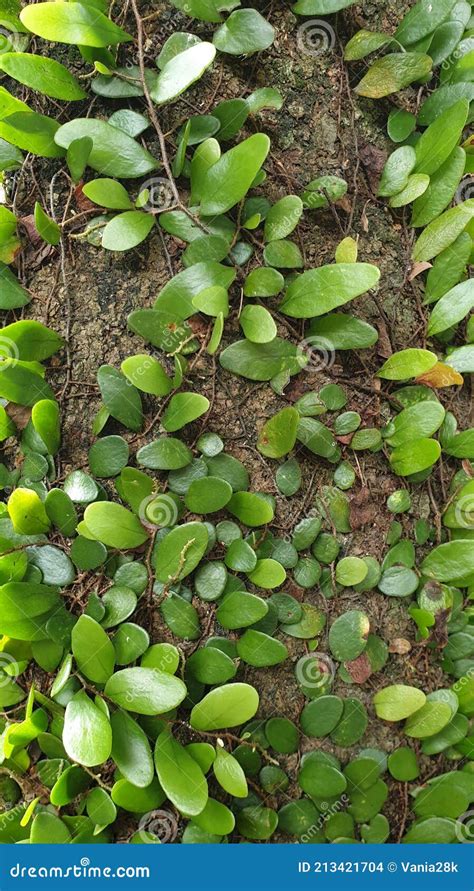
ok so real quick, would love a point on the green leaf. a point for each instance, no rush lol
(251, 508)
(428, 720)
(42, 74)
(407, 363)
(113, 151)
(77, 157)
(441, 233)
(393, 72)
(75, 23)
(363, 43)
(398, 168)
(452, 307)
(87, 735)
(32, 341)
(320, 7)
(440, 139)
(46, 422)
(131, 750)
(263, 283)
(441, 189)
(48, 829)
(33, 132)
(239, 609)
(215, 819)
(127, 230)
(12, 295)
(260, 650)
(261, 362)
(416, 421)
(92, 650)
(321, 716)
(423, 19)
(227, 706)
(229, 178)
(351, 571)
(114, 525)
(179, 552)
(319, 290)
(146, 373)
(47, 228)
(417, 185)
(146, 691)
(107, 193)
(182, 409)
(229, 774)
(108, 456)
(449, 561)
(181, 71)
(257, 324)
(278, 435)
(268, 573)
(100, 807)
(400, 124)
(19, 384)
(175, 44)
(207, 495)
(244, 32)
(398, 702)
(348, 635)
(25, 609)
(138, 800)
(121, 400)
(283, 217)
(166, 453)
(257, 822)
(176, 298)
(210, 665)
(180, 776)
(441, 99)
(27, 512)
(415, 456)
(339, 331)
(284, 254)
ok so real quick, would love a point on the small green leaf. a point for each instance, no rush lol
(180, 776)
(230, 177)
(87, 735)
(77, 24)
(42, 74)
(393, 72)
(278, 435)
(244, 32)
(227, 706)
(114, 525)
(398, 702)
(147, 691)
(92, 650)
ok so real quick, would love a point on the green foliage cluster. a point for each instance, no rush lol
(126, 723)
